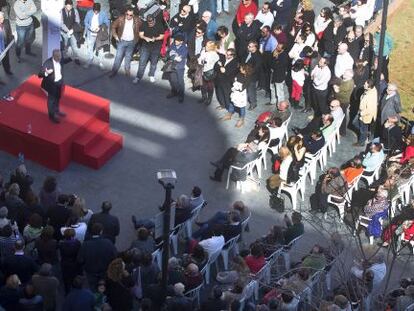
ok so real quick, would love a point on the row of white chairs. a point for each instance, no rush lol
(261, 161)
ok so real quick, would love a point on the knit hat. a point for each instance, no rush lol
(3, 212)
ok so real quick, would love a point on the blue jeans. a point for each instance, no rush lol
(150, 53)
(70, 41)
(363, 130)
(25, 36)
(242, 110)
(123, 50)
(176, 80)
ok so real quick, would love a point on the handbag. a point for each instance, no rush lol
(277, 203)
(169, 66)
(209, 75)
(36, 22)
(137, 288)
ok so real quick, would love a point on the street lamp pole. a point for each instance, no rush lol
(381, 43)
(166, 237)
(167, 178)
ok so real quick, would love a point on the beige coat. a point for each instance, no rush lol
(368, 106)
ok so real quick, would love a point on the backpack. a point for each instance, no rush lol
(277, 203)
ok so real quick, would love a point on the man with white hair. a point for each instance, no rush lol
(179, 301)
(343, 91)
(390, 104)
(344, 60)
(211, 25)
(248, 31)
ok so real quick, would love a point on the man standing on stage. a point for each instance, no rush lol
(52, 83)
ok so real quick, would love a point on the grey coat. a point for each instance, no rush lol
(390, 107)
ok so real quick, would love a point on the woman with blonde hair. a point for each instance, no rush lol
(281, 168)
(208, 59)
(118, 286)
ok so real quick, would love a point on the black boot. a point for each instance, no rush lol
(203, 98)
(209, 99)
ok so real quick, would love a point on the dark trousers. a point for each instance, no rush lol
(207, 89)
(151, 54)
(53, 100)
(265, 73)
(225, 162)
(176, 80)
(252, 93)
(6, 62)
(319, 101)
(223, 94)
(307, 92)
(344, 124)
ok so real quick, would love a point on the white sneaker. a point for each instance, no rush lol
(135, 81)
(152, 79)
(101, 65)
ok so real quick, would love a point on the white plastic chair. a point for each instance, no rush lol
(311, 163)
(410, 307)
(365, 225)
(194, 214)
(157, 257)
(194, 294)
(286, 249)
(207, 268)
(373, 175)
(404, 190)
(248, 293)
(293, 189)
(174, 236)
(285, 127)
(337, 128)
(262, 276)
(249, 172)
(231, 245)
(276, 133)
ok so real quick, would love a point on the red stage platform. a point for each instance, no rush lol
(83, 136)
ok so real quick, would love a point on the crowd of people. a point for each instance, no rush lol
(325, 64)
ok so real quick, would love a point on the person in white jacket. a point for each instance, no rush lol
(208, 59)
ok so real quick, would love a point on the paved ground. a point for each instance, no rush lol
(161, 133)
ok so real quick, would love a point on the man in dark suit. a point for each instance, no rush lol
(255, 60)
(226, 68)
(248, 31)
(197, 40)
(20, 264)
(52, 83)
(59, 215)
(109, 222)
(95, 255)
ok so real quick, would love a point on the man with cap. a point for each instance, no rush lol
(152, 36)
(178, 54)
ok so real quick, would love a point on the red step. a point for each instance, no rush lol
(89, 136)
(101, 150)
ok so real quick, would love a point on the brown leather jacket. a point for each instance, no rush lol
(118, 27)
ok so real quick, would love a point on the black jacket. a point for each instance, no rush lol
(21, 265)
(213, 305)
(226, 79)
(256, 61)
(109, 222)
(48, 82)
(58, 217)
(191, 45)
(96, 254)
(246, 34)
(7, 31)
(280, 67)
